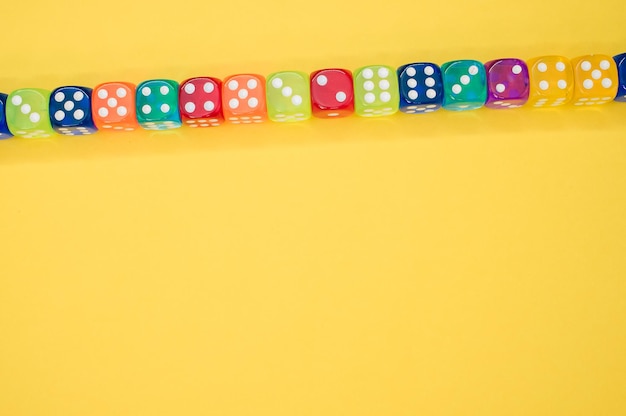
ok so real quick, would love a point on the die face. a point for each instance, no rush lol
(288, 96)
(5, 133)
(332, 93)
(421, 87)
(507, 83)
(620, 62)
(596, 80)
(201, 102)
(243, 99)
(157, 104)
(464, 85)
(551, 81)
(376, 91)
(27, 113)
(113, 106)
(70, 111)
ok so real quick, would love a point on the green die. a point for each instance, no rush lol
(27, 113)
(157, 105)
(464, 85)
(288, 96)
(376, 91)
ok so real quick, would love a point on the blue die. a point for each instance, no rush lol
(421, 87)
(620, 60)
(5, 133)
(70, 111)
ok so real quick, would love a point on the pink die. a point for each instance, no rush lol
(507, 83)
(200, 102)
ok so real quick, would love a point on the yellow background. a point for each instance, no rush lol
(449, 264)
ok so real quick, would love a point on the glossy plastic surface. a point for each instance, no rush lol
(243, 99)
(157, 105)
(620, 61)
(446, 264)
(5, 133)
(421, 87)
(200, 101)
(113, 106)
(375, 91)
(595, 80)
(332, 93)
(507, 83)
(464, 85)
(551, 81)
(70, 111)
(288, 96)
(27, 113)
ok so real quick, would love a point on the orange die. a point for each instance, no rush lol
(113, 106)
(596, 79)
(243, 99)
(551, 81)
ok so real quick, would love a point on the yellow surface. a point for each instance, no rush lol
(449, 264)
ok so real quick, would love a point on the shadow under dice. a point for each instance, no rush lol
(595, 80)
(332, 93)
(157, 105)
(27, 113)
(421, 87)
(620, 61)
(5, 133)
(507, 83)
(70, 111)
(201, 102)
(551, 81)
(375, 91)
(288, 96)
(464, 85)
(243, 99)
(113, 106)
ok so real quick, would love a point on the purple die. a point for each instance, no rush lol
(507, 83)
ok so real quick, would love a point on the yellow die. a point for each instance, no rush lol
(551, 81)
(596, 79)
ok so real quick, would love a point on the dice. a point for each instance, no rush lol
(507, 83)
(201, 102)
(421, 87)
(376, 91)
(464, 85)
(70, 111)
(243, 99)
(27, 113)
(113, 106)
(620, 61)
(332, 93)
(5, 133)
(551, 81)
(595, 78)
(157, 105)
(288, 96)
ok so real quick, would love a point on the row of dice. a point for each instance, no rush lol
(375, 90)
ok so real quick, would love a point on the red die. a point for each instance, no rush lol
(201, 102)
(332, 93)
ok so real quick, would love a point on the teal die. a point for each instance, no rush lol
(376, 91)
(464, 85)
(27, 113)
(288, 96)
(157, 105)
